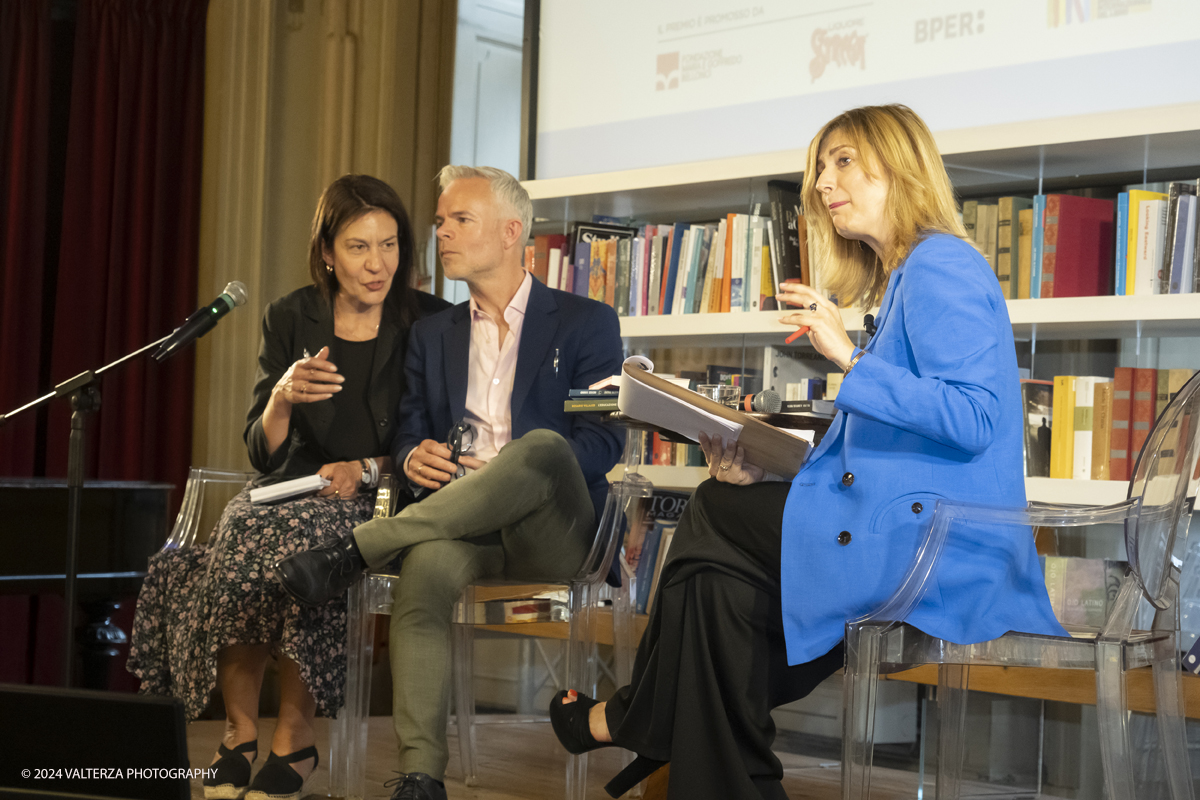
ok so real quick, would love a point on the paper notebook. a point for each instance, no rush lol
(651, 399)
(276, 492)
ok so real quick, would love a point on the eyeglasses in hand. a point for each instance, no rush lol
(460, 440)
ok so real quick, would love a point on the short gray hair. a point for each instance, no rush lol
(508, 192)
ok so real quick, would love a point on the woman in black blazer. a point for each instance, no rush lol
(330, 376)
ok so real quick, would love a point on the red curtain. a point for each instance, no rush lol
(24, 123)
(131, 212)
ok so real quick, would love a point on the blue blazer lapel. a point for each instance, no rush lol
(456, 363)
(537, 333)
(885, 306)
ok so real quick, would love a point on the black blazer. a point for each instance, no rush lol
(303, 321)
(567, 342)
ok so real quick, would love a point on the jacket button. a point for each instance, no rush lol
(848, 479)
(844, 538)
(383, 422)
(917, 508)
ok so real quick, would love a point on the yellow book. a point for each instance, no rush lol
(833, 382)
(1101, 430)
(1062, 431)
(1024, 252)
(1136, 198)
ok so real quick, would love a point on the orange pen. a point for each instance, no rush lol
(803, 330)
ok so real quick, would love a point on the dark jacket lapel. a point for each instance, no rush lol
(456, 355)
(537, 333)
(317, 333)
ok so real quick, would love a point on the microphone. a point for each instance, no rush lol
(869, 324)
(203, 320)
(766, 401)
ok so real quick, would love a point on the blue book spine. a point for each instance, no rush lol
(1121, 246)
(644, 575)
(1035, 266)
(583, 268)
(1180, 258)
(673, 268)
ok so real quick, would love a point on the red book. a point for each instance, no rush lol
(554, 241)
(541, 258)
(664, 451)
(1141, 412)
(1118, 462)
(1077, 246)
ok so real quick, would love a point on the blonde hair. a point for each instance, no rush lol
(894, 141)
(507, 191)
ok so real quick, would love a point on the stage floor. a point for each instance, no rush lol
(522, 761)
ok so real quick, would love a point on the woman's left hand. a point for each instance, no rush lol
(344, 478)
(728, 463)
(823, 318)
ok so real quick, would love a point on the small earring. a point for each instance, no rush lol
(329, 268)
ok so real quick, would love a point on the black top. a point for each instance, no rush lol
(352, 433)
(301, 323)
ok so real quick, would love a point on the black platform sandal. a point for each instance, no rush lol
(231, 772)
(637, 771)
(277, 780)
(570, 723)
(571, 726)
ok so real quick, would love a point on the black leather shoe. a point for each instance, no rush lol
(416, 786)
(321, 574)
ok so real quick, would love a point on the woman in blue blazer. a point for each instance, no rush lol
(763, 575)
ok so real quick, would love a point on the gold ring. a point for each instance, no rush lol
(304, 389)
(725, 467)
(336, 493)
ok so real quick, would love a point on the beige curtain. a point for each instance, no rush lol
(299, 92)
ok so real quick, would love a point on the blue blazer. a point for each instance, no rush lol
(567, 342)
(932, 410)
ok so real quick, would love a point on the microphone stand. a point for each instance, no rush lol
(85, 398)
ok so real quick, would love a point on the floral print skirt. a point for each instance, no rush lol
(196, 601)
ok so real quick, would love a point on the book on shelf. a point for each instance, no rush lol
(833, 382)
(970, 214)
(1148, 246)
(823, 408)
(1077, 246)
(1180, 198)
(1062, 432)
(1024, 251)
(1170, 381)
(1082, 591)
(1118, 454)
(1141, 411)
(987, 217)
(644, 549)
(1008, 236)
(577, 394)
(1102, 402)
(1036, 241)
(525, 609)
(1136, 198)
(590, 404)
(1085, 393)
(787, 229)
(1037, 399)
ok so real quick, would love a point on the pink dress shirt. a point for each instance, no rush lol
(491, 368)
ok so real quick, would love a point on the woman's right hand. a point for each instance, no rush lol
(728, 463)
(309, 380)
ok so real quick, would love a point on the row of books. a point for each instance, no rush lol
(1094, 428)
(731, 264)
(645, 546)
(1082, 591)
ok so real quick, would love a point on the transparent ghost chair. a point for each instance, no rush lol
(1155, 517)
(373, 595)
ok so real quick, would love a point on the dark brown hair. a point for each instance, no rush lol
(344, 201)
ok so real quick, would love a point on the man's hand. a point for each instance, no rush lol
(344, 478)
(728, 464)
(429, 464)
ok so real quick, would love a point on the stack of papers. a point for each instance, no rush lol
(276, 492)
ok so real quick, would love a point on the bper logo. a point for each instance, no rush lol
(668, 71)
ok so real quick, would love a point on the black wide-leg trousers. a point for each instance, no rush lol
(712, 663)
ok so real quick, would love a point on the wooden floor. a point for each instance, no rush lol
(523, 761)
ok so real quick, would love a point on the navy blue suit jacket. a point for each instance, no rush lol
(567, 342)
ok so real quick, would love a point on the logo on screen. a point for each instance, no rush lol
(1073, 12)
(843, 48)
(668, 71)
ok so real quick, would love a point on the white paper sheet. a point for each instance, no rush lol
(658, 408)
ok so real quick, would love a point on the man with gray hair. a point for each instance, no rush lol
(523, 501)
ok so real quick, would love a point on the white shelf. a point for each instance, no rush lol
(996, 158)
(1054, 318)
(1043, 490)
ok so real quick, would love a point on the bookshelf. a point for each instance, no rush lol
(1022, 158)
(1041, 490)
